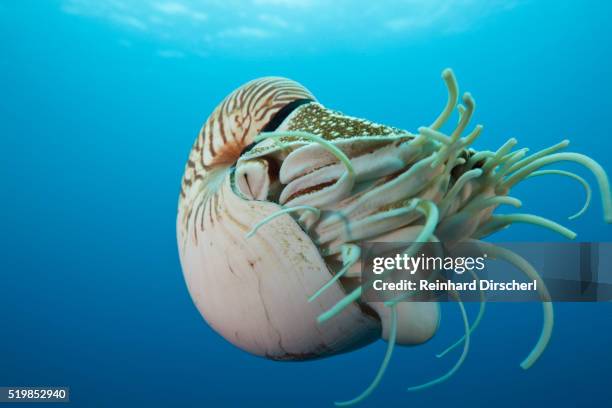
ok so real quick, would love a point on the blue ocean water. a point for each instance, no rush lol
(100, 103)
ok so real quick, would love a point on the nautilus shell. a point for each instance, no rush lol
(279, 191)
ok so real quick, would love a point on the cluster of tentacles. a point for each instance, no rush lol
(417, 188)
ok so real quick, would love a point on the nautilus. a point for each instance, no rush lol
(279, 191)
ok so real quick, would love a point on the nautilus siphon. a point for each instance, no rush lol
(279, 191)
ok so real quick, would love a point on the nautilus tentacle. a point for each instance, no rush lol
(279, 192)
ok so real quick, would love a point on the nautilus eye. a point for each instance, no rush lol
(280, 191)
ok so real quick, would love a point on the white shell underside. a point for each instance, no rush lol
(254, 292)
